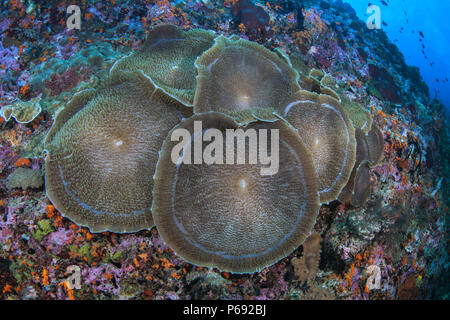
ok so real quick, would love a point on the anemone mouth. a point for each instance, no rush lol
(237, 76)
(230, 216)
(330, 137)
(167, 56)
(102, 152)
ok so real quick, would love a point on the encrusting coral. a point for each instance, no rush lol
(328, 134)
(230, 216)
(243, 79)
(102, 152)
(167, 56)
(22, 111)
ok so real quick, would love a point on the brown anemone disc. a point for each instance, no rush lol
(369, 153)
(310, 84)
(328, 81)
(317, 74)
(297, 62)
(328, 134)
(102, 151)
(230, 216)
(313, 80)
(359, 115)
(243, 79)
(362, 154)
(375, 142)
(330, 92)
(361, 190)
(362, 147)
(167, 56)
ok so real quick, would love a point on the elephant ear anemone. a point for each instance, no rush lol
(243, 79)
(102, 151)
(230, 216)
(369, 153)
(167, 56)
(328, 134)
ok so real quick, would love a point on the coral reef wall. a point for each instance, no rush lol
(393, 247)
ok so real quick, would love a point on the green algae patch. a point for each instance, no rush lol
(44, 228)
(85, 251)
(116, 257)
(14, 268)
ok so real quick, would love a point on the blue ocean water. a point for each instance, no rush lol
(405, 20)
